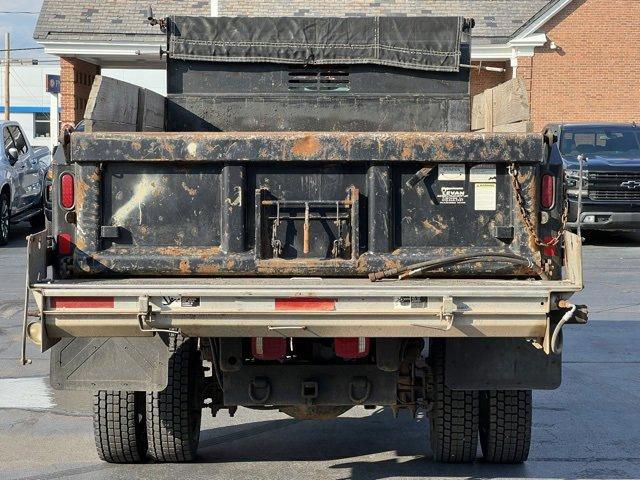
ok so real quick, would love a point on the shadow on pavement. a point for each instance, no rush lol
(404, 440)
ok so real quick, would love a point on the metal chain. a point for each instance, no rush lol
(513, 171)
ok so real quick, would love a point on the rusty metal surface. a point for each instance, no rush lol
(258, 218)
(307, 147)
(278, 204)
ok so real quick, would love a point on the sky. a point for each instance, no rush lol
(20, 26)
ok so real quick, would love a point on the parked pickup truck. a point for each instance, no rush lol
(610, 155)
(23, 169)
(307, 215)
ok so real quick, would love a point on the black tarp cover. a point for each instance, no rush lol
(420, 43)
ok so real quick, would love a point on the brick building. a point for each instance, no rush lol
(579, 58)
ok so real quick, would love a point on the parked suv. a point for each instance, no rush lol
(610, 173)
(22, 176)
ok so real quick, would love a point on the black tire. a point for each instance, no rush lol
(5, 219)
(505, 425)
(119, 426)
(454, 415)
(174, 414)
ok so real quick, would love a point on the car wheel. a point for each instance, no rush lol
(38, 222)
(5, 219)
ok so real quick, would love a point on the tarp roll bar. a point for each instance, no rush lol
(419, 43)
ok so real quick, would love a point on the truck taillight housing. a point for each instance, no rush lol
(268, 348)
(67, 190)
(64, 244)
(349, 348)
(548, 191)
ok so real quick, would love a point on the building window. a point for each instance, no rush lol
(41, 127)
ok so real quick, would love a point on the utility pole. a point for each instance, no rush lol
(7, 62)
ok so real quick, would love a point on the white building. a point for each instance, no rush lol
(30, 102)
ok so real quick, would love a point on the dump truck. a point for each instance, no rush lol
(304, 223)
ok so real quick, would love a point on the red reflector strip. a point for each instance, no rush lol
(348, 348)
(548, 191)
(82, 302)
(550, 250)
(67, 193)
(268, 348)
(314, 304)
(64, 244)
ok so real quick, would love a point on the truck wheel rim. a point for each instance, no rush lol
(4, 220)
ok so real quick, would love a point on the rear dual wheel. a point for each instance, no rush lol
(500, 418)
(454, 415)
(119, 426)
(164, 426)
(174, 414)
(505, 425)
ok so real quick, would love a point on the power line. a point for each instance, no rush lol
(18, 13)
(20, 49)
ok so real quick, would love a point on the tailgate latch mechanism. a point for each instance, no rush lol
(446, 316)
(447, 311)
(145, 312)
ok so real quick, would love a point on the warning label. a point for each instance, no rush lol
(451, 171)
(452, 196)
(485, 196)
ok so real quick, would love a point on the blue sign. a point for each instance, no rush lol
(53, 83)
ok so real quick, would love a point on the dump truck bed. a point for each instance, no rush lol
(301, 203)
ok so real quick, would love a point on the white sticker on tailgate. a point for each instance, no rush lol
(411, 302)
(485, 196)
(482, 173)
(451, 172)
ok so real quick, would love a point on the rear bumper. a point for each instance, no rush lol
(606, 216)
(246, 307)
(357, 308)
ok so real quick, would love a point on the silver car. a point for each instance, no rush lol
(23, 170)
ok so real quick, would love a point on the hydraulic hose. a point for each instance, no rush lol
(556, 331)
(432, 264)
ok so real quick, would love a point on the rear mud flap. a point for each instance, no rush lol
(500, 364)
(110, 363)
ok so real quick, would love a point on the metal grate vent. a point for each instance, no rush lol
(316, 80)
(613, 195)
(613, 176)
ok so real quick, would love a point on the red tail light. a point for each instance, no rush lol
(548, 191)
(267, 348)
(82, 302)
(64, 244)
(67, 190)
(348, 348)
(317, 304)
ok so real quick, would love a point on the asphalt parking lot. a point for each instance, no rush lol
(589, 428)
